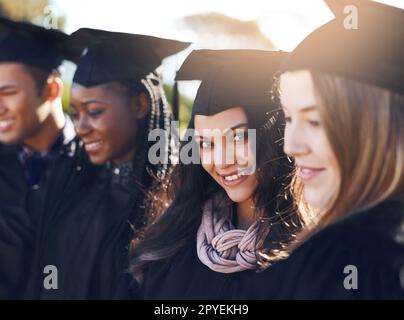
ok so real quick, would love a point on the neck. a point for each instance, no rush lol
(50, 130)
(245, 214)
(125, 158)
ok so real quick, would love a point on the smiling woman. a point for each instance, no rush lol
(91, 217)
(231, 167)
(230, 207)
(106, 118)
(306, 140)
(344, 110)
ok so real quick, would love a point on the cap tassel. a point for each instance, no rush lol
(176, 102)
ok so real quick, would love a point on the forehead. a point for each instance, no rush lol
(102, 91)
(13, 72)
(297, 90)
(222, 120)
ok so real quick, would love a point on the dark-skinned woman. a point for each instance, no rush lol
(89, 219)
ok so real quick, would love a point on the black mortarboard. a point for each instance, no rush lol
(232, 78)
(115, 56)
(373, 53)
(32, 45)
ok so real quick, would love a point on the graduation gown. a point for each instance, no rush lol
(16, 229)
(17, 222)
(185, 277)
(85, 233)
(359, 257)
(371, 241)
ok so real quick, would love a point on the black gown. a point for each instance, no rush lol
(369, 240)
(16, 229)
(85, 232)
(372, 241)
(185, 277)
(17, 221)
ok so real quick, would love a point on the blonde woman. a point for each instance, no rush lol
(342, 92)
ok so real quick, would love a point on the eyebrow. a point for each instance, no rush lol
(86, 103)
(240, 125)
(308, 108)
(305, 109)
(226, 131)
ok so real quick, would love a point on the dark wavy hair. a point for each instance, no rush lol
(190, 186)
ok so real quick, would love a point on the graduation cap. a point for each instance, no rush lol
(115, 56)
(233, 78)
(373, 53)
(33, 45)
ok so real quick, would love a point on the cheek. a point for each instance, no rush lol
(100, 127)
(206, 158)
(325, 152)
(26, 110)
(253, 182)
(120, 131)
(335, 177)
(246, 154)
(106, 125)
(17, 104)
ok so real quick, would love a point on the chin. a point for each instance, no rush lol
(98, 161)
(10, 139)
(238, 196)
(316, 198)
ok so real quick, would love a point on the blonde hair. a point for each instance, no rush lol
(365, 127)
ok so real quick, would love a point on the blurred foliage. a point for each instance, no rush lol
(216, 29)
(23, 10)
(185, 106)
(39, 12)
(66, 96)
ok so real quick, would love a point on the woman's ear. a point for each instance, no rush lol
(142, 105)
(53, 88)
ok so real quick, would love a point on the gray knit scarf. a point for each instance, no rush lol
(220, 246)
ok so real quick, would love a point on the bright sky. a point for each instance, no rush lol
(284, 22)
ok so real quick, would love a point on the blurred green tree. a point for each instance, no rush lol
(216, 30)
(40, 12)
(185, 106)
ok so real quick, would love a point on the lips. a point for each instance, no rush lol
(6, 124)
(94, 146)
(234, 178)
(306, 173)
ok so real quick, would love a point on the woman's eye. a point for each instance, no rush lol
(205, 145)
(95, 113)
(240, 137)
(9, 92)
(314, 123)
(74, 114)
(288, 119)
